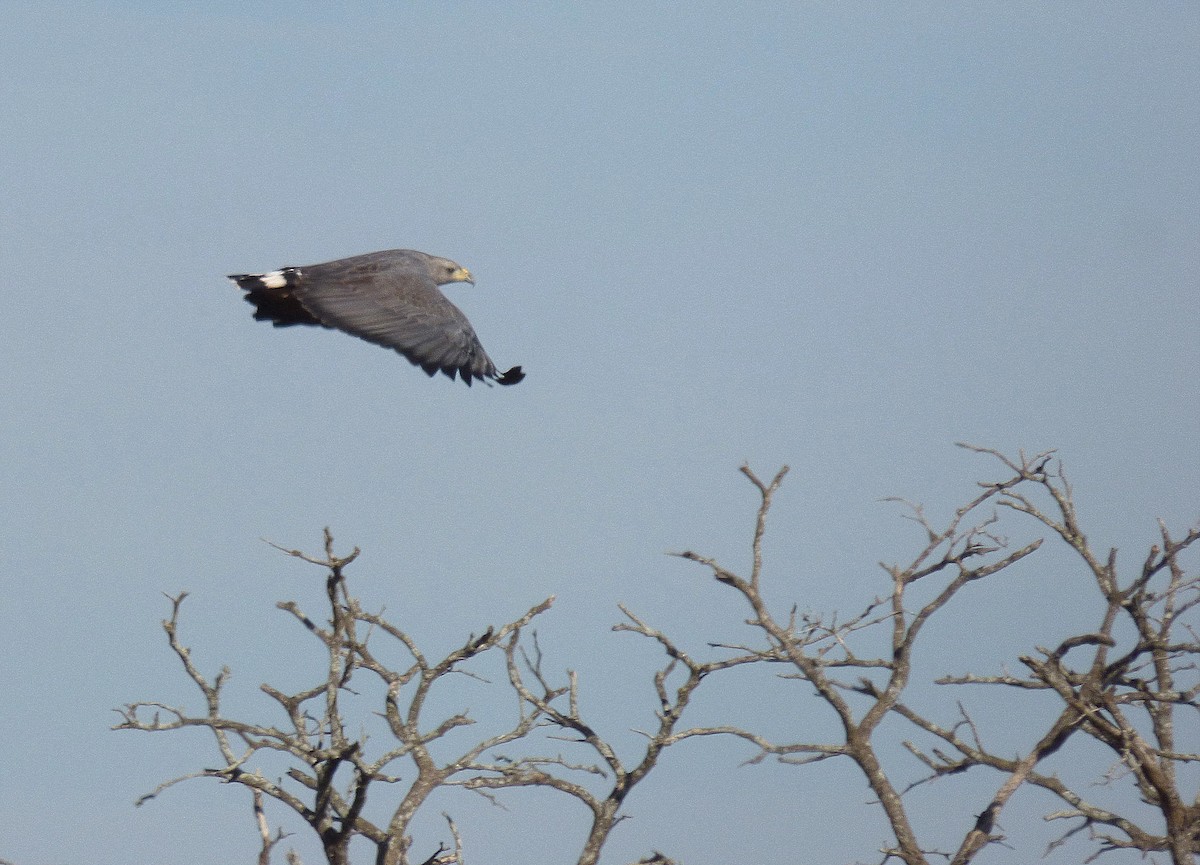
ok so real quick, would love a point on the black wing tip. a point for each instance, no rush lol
(465, 375)
(513, 376)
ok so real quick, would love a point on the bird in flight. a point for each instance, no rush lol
(390, 298)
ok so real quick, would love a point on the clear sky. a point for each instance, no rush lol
(839, 236)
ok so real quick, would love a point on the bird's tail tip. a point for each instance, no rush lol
(282, 278)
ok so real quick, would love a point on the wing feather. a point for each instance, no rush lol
(398, 309)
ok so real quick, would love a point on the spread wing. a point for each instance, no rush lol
(397, 307)
(389, 298)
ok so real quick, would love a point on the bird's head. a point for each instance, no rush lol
(445, 270)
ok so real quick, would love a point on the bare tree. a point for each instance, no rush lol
(316, 736)
(325, 754)
(1123, 685)
(1153, 674)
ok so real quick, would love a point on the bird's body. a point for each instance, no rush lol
(390, 298)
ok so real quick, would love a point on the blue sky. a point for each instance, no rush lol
(838, 236)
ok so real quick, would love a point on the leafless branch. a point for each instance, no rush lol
(1096, 695)
(1123, 683)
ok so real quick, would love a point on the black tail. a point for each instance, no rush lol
(247, 281)
(271, 299)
